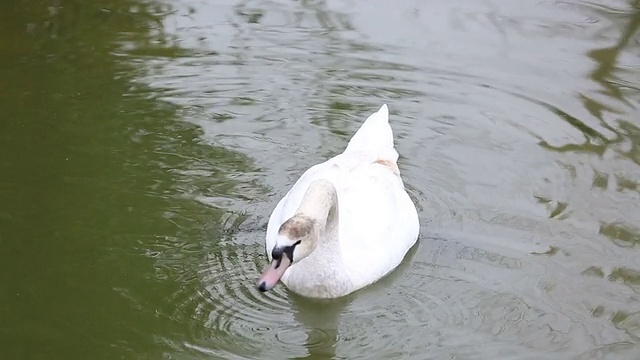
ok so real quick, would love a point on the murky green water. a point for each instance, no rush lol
(144, 144)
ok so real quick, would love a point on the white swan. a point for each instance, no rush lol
(346, 222)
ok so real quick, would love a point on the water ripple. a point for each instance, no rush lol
(226, 314)
(500, 115)
(428, 312)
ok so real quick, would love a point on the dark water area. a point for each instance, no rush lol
(145, 143)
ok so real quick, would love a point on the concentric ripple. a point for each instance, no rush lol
(225, 314)
(423, 310)
(438, 299)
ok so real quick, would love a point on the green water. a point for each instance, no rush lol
(89, 191)
(144, 144)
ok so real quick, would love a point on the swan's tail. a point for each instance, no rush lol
(375, 137)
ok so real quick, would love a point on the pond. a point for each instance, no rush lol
(145, 144)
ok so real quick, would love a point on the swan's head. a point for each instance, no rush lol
(296, 239)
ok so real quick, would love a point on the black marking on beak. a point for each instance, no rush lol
(277, 253)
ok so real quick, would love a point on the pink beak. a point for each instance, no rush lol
(273, 273)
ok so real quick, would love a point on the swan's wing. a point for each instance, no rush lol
(378, 222)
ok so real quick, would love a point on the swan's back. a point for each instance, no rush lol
(372, 144)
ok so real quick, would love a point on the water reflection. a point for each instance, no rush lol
(322, 321)
(607, 58)
(605, 74)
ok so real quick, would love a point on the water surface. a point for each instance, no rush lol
(144, 145)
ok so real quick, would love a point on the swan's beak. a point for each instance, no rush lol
(273, 273)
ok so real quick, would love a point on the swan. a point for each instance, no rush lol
(346, 222)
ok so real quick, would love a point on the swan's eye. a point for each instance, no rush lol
(276, 253)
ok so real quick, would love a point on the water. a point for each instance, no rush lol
(144, 145)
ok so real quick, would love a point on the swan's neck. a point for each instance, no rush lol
(320, 203)
(322, 273)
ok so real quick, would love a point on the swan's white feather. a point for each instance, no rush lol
(378, 222)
